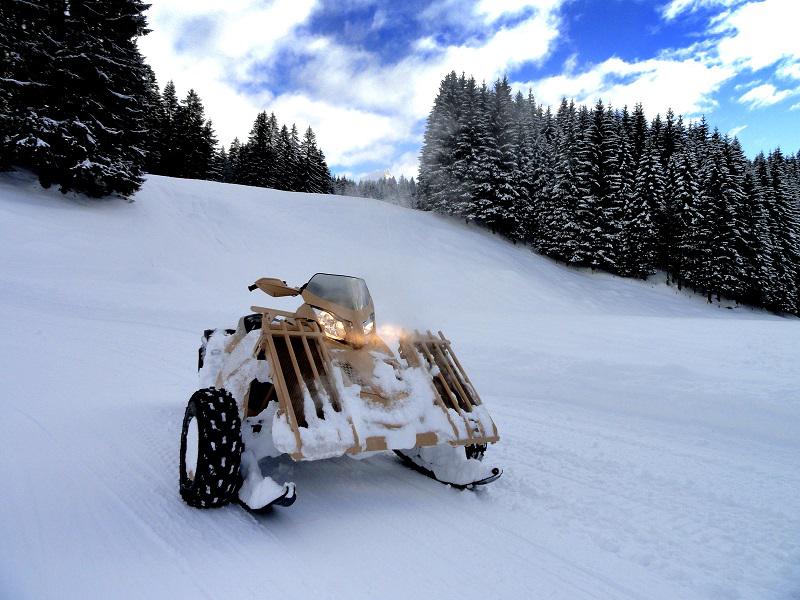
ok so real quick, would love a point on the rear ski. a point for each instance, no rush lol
(456, 470)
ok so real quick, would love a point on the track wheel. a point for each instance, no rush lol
(211, 449)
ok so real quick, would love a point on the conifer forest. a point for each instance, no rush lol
(607, 188)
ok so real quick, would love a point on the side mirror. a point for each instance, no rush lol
(274, 287)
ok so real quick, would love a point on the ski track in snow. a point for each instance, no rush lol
(649, 440)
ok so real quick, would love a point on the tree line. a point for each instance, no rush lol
(609, 189)
(398, 191)
(80, 107)
(182, 143)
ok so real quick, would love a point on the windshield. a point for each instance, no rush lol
(349, 292)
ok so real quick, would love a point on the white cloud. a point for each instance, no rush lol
(759, 34)
(347, 135)
(789, 70)
(686, 85)
(795, 106)
(492, 10)
(678, 7)
(737, 130)
(764, 95)
(745, 36)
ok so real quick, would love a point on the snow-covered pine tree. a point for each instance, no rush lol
(523, 173)
(541, 180)
(321, 174)
(285, 160)
(465, 148)
(561, 227)
(170, 144)
(681, 199)
(196, 139)
(28, 43)
(12, 44)
(153, 109)
(254, 157)
(785, 209)
(482, 178)
(504, 214)
(230, 173)
(436, 158)
(640, 235)
(764, 281)
(312, 168)
(294, 142)
(670, 141)
(639, 132)
(597, 210)
(622, 184)
(97, 68)
(740, 225)
(271, 175)
(218, 165)
(723, 268)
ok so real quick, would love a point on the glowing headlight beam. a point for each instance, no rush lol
(331, 326)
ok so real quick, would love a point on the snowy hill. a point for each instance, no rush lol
(649, 440)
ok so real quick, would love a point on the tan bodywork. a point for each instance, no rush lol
(309, 369)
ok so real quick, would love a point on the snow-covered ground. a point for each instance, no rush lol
(650, 441)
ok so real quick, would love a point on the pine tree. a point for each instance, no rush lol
(80, 123)
(482, 192)
(541, 180)
(170, 143)
(153, 121)
(681, 199)
(231, 167)
(639, 132)
(100, 139)
(196, 140)
(597, 209)
(640, 236)
(465, 149)
(218, 165)
(29, 38)
(435, 175)
(786, 236)
(255, 156)
(561, 225)
(286, 160)
(504, 215)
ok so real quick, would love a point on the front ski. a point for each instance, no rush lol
(259, 492)
(415, 463)
(286, 499)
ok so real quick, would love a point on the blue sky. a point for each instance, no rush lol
(364, 73)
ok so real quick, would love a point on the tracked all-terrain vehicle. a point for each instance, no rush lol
(319, 383)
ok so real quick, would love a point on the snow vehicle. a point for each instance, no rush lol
(319, 383)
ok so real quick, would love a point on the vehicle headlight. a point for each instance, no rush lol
(331, 326)
(369, 325)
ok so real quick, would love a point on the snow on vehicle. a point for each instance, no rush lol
(318, 383)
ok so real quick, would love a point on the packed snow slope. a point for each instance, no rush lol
(649, 440)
